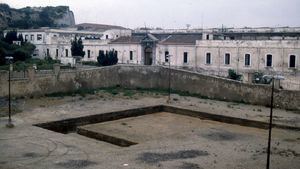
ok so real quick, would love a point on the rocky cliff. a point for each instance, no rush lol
(35, 17)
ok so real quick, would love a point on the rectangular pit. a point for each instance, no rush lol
(150, 123)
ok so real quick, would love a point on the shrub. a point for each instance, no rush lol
(110, 58)
(233, 75)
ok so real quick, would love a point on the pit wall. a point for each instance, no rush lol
(147, 77)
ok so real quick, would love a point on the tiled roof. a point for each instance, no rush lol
(182, 39)
(128, 40)
(98, 27)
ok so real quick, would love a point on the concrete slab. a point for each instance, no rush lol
(212, 145)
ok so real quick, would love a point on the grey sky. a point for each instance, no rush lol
(178, 13)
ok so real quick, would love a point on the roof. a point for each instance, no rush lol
(181, 39)
(97, 27)
(128, 40)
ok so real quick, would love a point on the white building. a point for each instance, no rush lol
(210, 51)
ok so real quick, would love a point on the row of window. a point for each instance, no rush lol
(57, 53)
(185, 57)
(38, 37)
(247, 60)
(102, 52)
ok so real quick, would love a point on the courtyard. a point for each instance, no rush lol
(159, 139)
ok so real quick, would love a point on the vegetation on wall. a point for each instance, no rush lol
(259, 79)
(232, 74)
(108, 58)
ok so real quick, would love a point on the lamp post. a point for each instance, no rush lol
(277, 77)
(169, 60)
(9, 124)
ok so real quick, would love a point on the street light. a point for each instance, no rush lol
(9, 124)
(169, 60)
(277, 77)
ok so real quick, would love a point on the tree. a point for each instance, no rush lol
(20, 38)
(11, 36)
(77, 47)
(107, 59)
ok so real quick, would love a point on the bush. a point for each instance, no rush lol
(233, 75)
(259, 79)
(110, 58)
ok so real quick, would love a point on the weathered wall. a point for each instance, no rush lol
(150, 77)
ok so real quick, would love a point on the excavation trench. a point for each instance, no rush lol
(128, 127)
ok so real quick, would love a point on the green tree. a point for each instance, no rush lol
(107, 59)
(11, 36)
(77, 47)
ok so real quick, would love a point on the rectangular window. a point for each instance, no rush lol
(166, 56)
(39, 37)
(185, 57)
(56, 53)
(131, 55)
(207, 37)
(31, 37)
(48, 53)
(247, 59)
(106, 36)
(67, 52)
(269, 61)
(89, 53)
(292, 61)
(26, 38)
(208, 58)
(227, 59)
(116, 52)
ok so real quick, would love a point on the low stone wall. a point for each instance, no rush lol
(149, 77)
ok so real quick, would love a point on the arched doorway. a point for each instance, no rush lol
(148, 56)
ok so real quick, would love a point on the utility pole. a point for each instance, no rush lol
(169, 97)
(9, 124)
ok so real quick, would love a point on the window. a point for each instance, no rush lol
(185, 57)
(208, 58)
(269, 60)
(89, 53)
(39, 37)
(292, 61)
(67, 52)
(207, 37)
(56, 53)
(166, 56)
(227, 59)
(31, 37)
(116, 52)
(48, 53)
(26, 38)
(106, 36)
(131, 55)
(247, 59)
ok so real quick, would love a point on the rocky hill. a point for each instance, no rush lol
(35, 17)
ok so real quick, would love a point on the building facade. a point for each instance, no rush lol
(209, 51)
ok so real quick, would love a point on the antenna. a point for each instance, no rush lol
(202, 18)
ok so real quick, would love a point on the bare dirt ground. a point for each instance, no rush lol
(209, 145)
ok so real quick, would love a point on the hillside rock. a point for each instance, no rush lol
(35, 17)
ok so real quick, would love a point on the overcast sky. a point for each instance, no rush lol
(178, 13)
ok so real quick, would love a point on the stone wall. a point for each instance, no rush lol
(148, 77)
